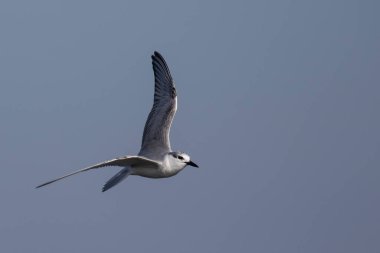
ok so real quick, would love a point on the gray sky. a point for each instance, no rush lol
(278, 104)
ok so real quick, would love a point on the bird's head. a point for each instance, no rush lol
(181, 158)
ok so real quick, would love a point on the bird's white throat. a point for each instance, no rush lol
(172, 165)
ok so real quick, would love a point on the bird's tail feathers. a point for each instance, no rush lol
(120, 176)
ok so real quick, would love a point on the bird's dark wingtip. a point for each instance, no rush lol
(105, 187)
(39, 186)
(158, 55)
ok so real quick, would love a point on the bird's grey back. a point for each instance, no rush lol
(155, 141)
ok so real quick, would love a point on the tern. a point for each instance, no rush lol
(156, 158)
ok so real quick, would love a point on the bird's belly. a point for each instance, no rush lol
(153, 172)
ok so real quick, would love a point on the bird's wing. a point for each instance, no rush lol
(122, 161)
(157, 127)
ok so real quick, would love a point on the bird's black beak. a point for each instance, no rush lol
(192, 164)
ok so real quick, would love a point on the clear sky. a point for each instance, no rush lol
(278, 104)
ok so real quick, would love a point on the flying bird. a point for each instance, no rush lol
(156, 158)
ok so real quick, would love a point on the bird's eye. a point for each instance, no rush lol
(180, 157)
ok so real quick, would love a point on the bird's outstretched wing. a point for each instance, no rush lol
(122, 161)
(155, 139)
